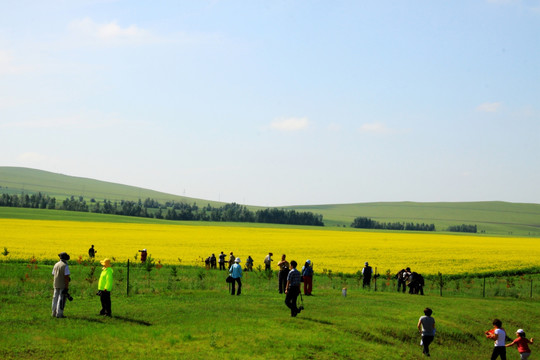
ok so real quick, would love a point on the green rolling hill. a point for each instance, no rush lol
(492, 217)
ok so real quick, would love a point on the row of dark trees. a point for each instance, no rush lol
(463, 228)
(367, 223)
(151, 208)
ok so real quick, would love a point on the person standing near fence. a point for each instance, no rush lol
(307, 277)
(367, 271)
(105, 286)
(236, 273)
(426, 326)
(498, 334)
(61, 285)
(283, 273)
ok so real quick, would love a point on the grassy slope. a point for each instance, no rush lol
(185, 317)
(492, 217)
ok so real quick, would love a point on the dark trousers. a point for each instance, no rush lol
(308, 284)
(282, 278)
(366, 281)
(401, 284)
(290, 299)
(236, 280)
(426, 340)
(105, 298)
(499, 351)
(221, 266)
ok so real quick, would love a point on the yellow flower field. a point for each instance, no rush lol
(331, 249)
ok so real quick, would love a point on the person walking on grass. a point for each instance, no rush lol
(292, 289)
(236, 273)
(283, 273)
(61, 285)
(105, 286)
(307, 277)
(426, 327)
(498, 334)
(522, 344)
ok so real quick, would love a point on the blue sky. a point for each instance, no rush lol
(278, 102)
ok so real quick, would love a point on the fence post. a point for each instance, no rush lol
(531, 287)
(375, 276)
(128, 278)
(484, 288)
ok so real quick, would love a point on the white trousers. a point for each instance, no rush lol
(58, 303)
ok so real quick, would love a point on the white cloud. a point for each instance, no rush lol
(289, 124)
(489, 107)
(110, 32)
(375, 128)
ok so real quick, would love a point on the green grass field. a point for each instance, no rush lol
(190, 315)
(493, 218)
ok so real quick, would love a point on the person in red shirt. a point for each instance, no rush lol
(522, 344)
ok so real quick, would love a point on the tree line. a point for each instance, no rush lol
(151, 208)
(463, 228)
(368, 223)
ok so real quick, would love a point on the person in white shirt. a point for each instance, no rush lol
(499, 335)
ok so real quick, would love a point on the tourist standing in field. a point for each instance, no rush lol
(144, 254)
(367, 271)
(293, 289)
(498, 334)
(236, 273)
(213, 262)
(92, 252)
(401, 280)
(268, 261)
(426, 326)
(307, 277)
(522, 344)
(231, 260)
(249, 263)
(61, 285)
(105, 286)
(222, 261)
(283, 273)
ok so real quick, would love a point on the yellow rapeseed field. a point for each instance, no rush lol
(328, 249)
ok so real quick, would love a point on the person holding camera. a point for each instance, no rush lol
(292, 289)
(104, 287)
(283, 273)
(235, 271)
(61, 285)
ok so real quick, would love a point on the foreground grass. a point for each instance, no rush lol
(192, 316)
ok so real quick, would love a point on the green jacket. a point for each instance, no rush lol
(106, 279)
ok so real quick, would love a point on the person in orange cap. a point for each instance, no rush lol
(105, 286)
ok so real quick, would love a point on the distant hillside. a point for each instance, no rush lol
(15, 180)
(491, 217)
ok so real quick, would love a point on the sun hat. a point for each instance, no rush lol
(308, 262)
(520, 331)
(63, 256)
(237, 260)
(106, 262)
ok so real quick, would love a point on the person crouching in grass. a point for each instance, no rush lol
(105, 286)
(292, 290)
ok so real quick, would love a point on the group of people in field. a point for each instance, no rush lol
(411, 279)
(289, 283)
(61, 280)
